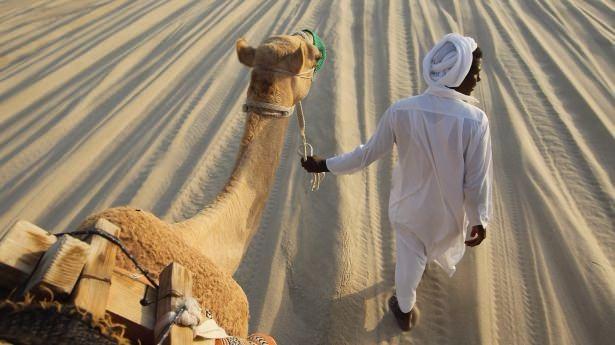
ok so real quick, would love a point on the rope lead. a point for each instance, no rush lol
(305, 149)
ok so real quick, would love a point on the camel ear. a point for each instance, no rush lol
(245, 52)
(296, 60)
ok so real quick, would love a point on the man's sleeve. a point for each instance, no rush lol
(478, 177)
(363, 155)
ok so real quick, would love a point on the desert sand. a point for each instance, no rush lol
(108, 103)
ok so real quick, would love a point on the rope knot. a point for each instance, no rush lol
(190, 314)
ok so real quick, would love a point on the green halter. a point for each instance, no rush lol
(321, 47)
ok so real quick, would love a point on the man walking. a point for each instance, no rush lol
(442, 182)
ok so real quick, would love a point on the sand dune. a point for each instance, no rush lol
(106, 103)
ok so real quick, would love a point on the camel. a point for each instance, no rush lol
(212, 243)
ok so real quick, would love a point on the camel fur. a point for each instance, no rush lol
(212, 243)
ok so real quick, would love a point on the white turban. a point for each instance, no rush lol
(448, 63)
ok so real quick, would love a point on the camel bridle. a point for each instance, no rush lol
(273, 109)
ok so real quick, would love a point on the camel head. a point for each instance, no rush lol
(282, 68)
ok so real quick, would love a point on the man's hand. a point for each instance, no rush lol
(314, 164)
(479, 233)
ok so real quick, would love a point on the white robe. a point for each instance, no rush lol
(444, 169)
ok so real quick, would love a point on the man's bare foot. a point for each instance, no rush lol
(406, 321)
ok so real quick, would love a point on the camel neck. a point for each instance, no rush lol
(259, 155)
(230, 222)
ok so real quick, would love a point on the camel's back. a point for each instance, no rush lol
(155, 245)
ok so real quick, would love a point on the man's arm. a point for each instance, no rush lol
(477, 183)
(363, 155)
